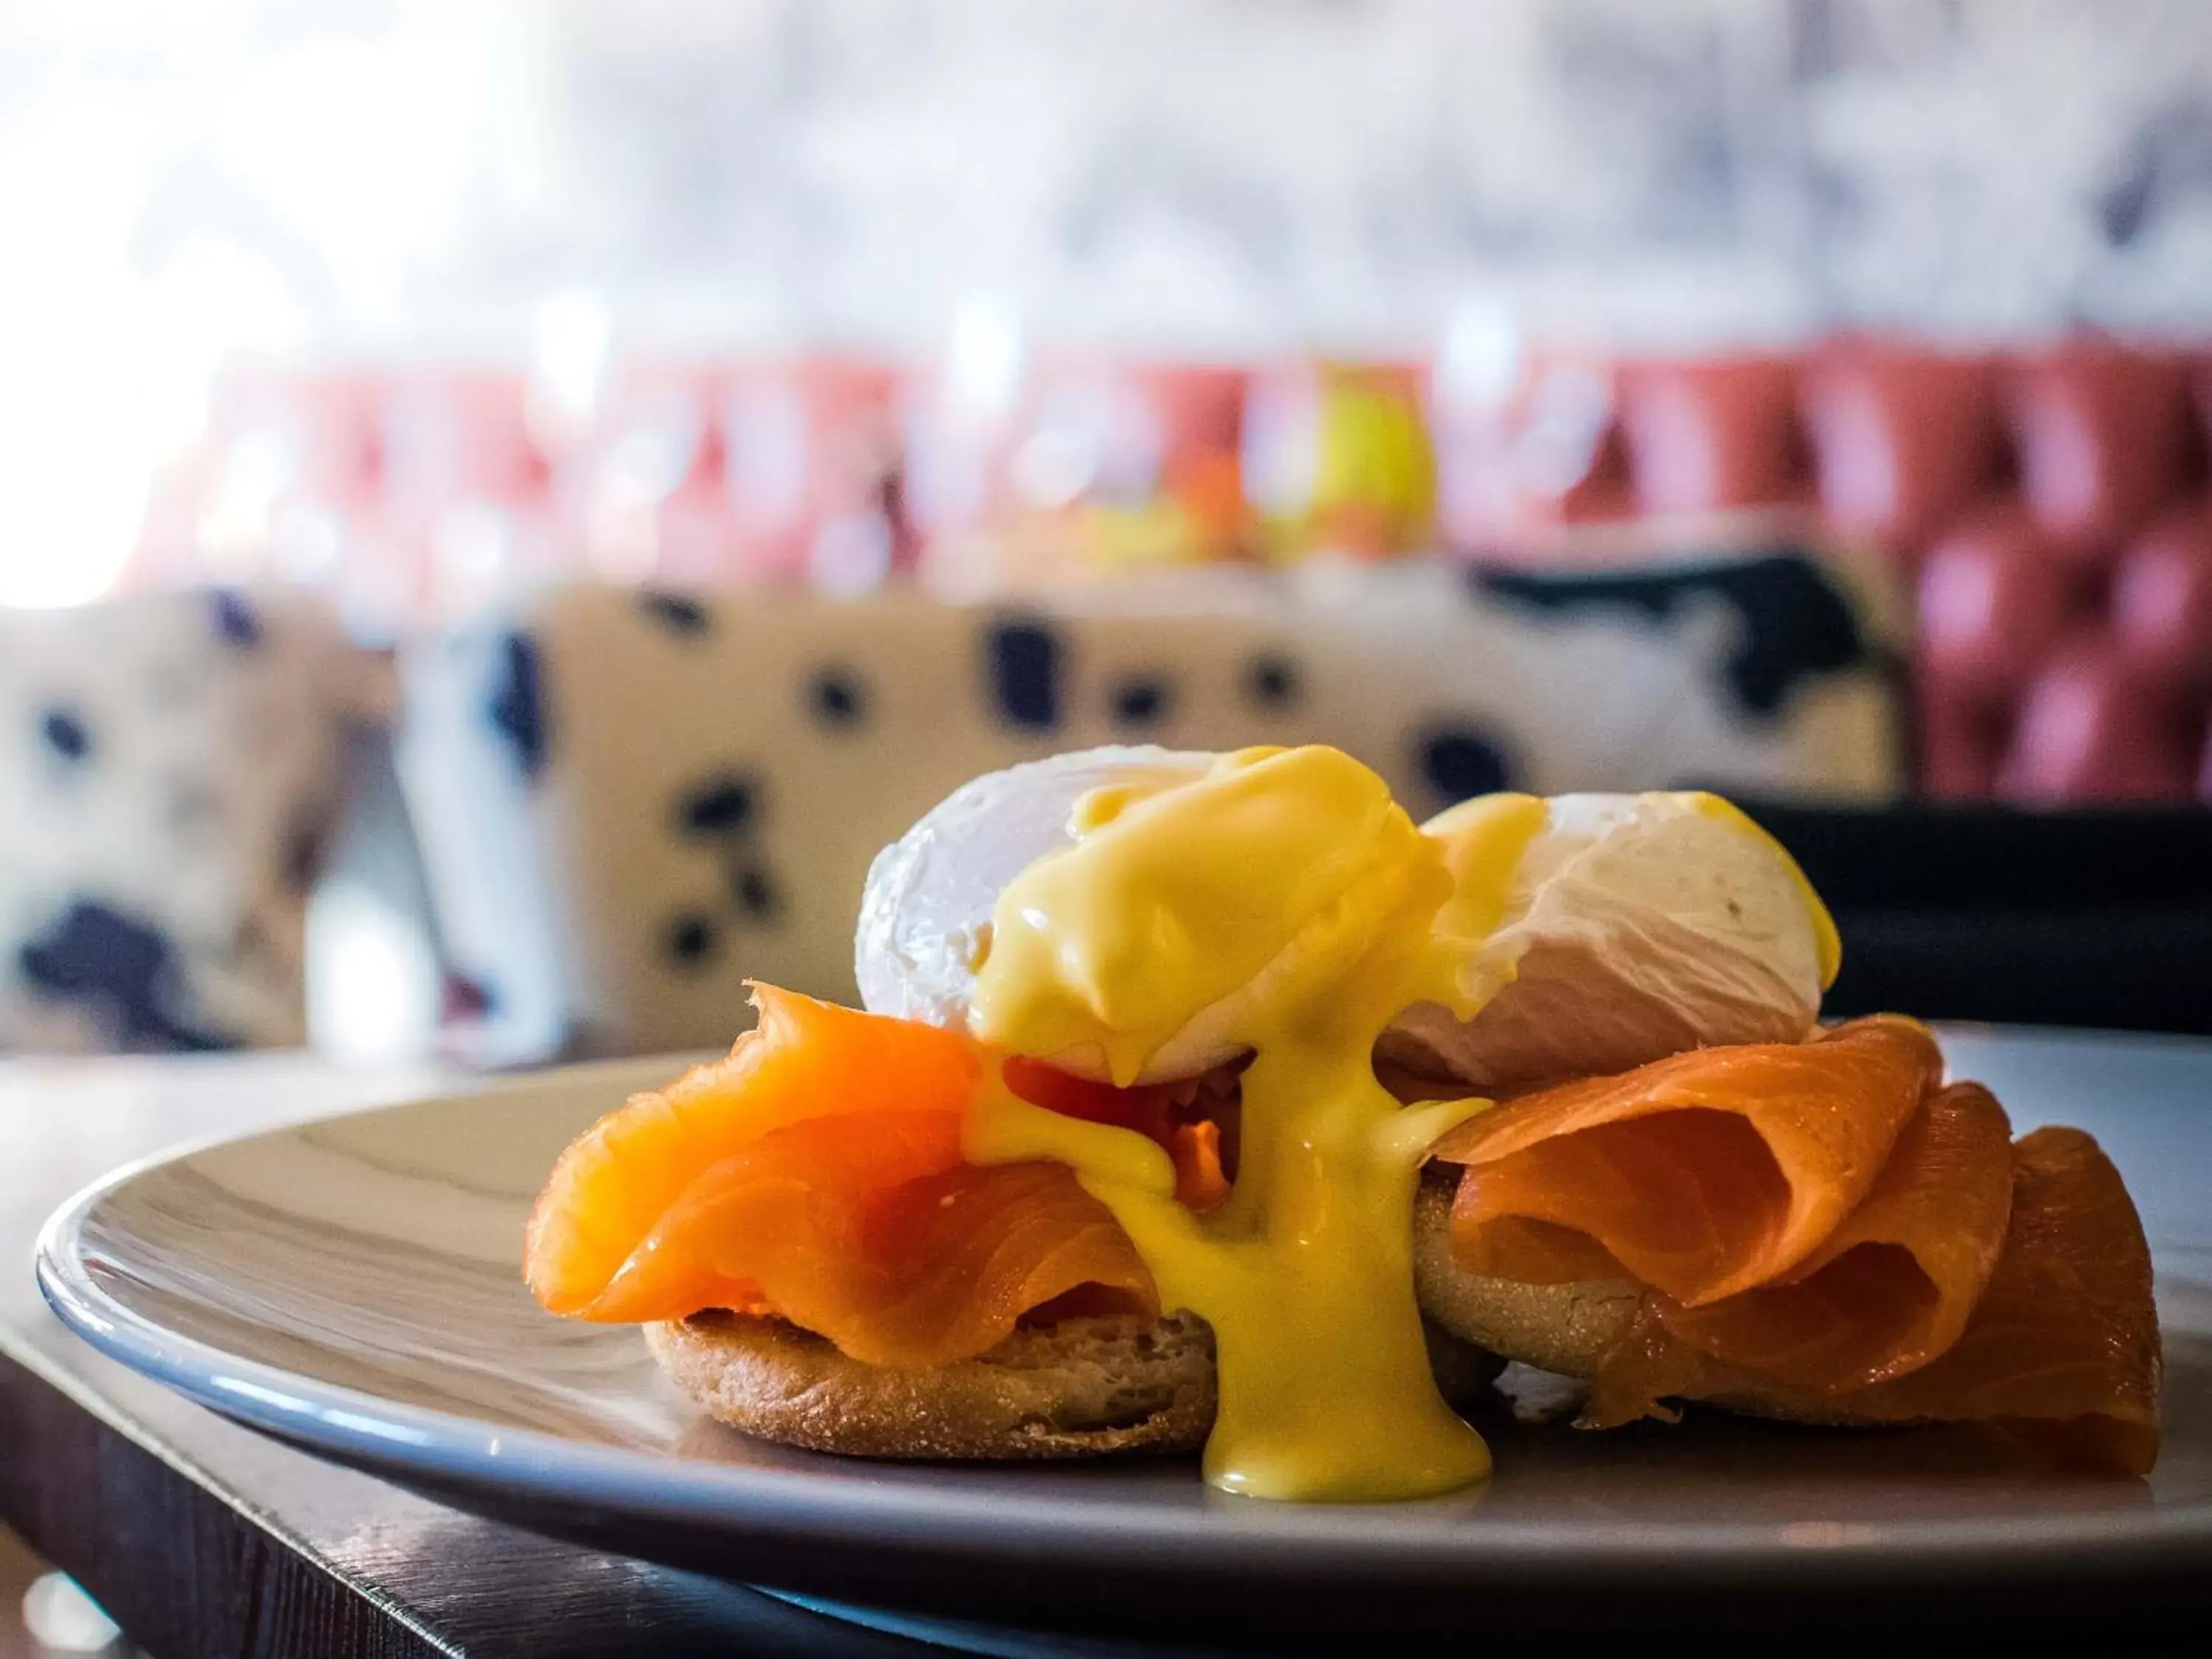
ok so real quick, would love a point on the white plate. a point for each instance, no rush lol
(351, 1286)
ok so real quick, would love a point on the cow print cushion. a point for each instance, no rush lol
(631, 803)
(1792, 623)
(172, 768)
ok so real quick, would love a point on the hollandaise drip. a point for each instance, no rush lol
(1285, 902)
(1483, 842)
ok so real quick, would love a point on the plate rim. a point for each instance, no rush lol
(446, 1451)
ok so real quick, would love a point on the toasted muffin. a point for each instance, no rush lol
(1076, 1388)
(1567, 1328)
(1079, 1388)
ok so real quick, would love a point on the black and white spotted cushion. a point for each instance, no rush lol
(171, 767)
(630, 802)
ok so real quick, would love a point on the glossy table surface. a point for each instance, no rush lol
(204, 1538)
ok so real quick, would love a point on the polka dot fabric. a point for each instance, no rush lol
(172, 768)
(630, 802)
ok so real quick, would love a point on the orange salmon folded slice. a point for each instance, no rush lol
(1822, 1229)
(1892, 1287)
(1703, 1175)
(816, 1173)
(2063, 1349)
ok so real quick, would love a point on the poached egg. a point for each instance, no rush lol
(1585, 934)
(1140, 915)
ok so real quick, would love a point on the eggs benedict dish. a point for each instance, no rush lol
(1208, 1100)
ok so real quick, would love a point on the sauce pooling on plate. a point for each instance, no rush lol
(1284, 900)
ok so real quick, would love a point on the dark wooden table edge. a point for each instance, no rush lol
(107, 1507)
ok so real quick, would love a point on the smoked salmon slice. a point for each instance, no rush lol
(2064, 1350)
(1823, 1232)
(1893, 1286)
(1702, 1175)
(804, 1060)
(817, 1172)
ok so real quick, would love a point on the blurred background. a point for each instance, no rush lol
(369, 294)
(505, 504)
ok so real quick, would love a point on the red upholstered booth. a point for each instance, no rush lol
(2051, 509)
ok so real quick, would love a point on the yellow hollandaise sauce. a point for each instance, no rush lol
(1483, 842)
(1285, 903)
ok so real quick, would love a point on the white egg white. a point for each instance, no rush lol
(1637, 927)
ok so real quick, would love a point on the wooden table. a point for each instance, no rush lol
(203, 1539)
